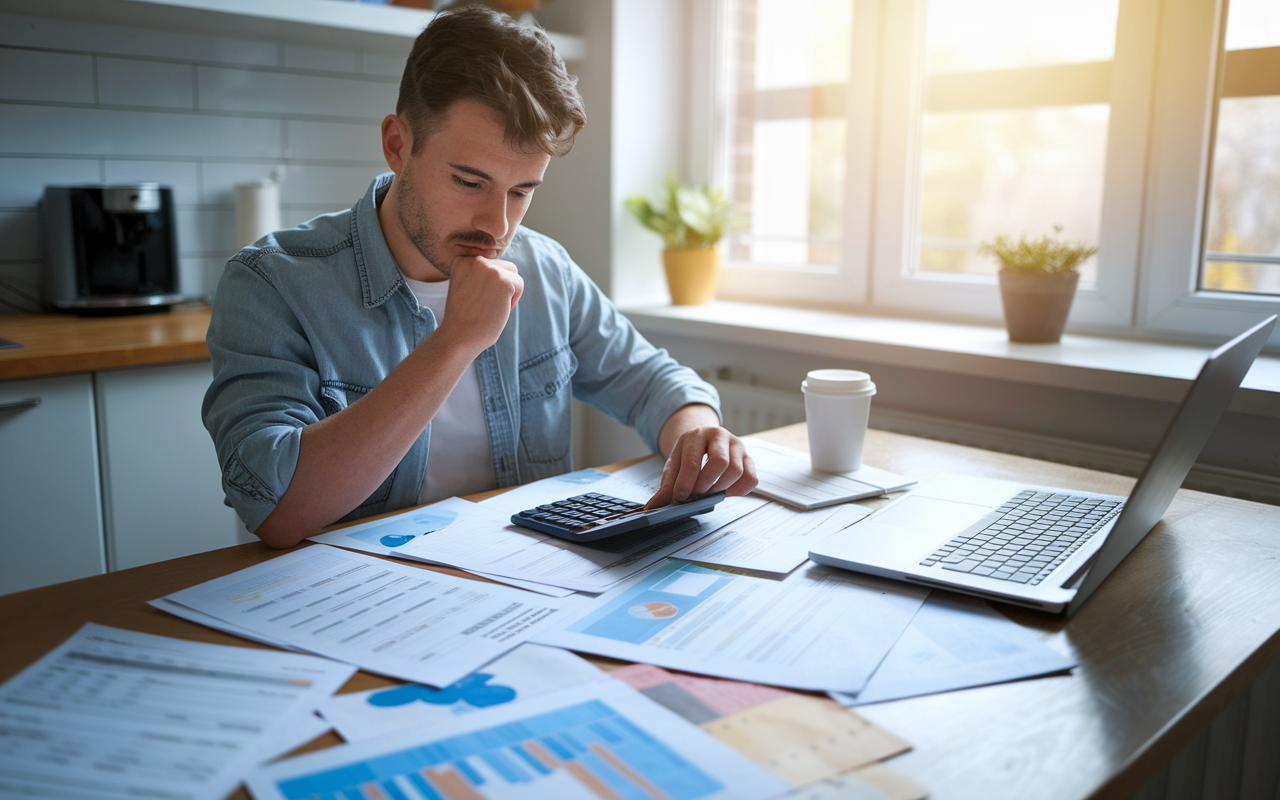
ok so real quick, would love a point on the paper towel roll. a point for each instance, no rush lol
(257, 211)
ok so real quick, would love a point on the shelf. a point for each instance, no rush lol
(327, 22)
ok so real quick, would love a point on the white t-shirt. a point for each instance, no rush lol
(460, 460)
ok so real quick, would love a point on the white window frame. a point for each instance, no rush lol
(1163, 101)
(1187, 87)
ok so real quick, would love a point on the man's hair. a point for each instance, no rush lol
(478, 54)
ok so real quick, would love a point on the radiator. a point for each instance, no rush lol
(747, 408)
(1236, 758)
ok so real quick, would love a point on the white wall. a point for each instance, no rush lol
(84, 102)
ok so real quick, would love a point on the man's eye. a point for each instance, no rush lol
(466, 183)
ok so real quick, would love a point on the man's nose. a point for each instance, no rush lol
(491, 217)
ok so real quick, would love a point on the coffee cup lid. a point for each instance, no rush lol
(838, 381)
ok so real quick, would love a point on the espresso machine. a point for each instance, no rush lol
(110, 248)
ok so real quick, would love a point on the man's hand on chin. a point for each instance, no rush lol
(704, 458)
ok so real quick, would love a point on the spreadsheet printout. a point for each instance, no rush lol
(389, 618)
(113, 713)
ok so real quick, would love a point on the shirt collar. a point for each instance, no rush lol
(379, 275)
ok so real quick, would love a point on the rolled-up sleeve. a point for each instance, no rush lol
(621, 372)
(265, 390)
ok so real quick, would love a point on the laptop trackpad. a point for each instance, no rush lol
(931, 515)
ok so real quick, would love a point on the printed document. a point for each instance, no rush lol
(487, 543)
(601, 740)
(819, 628)
(389, 618)
(113, 713)
(787, 476)
(956, 642)
(390, 535)
(528, 671)
(773, 538)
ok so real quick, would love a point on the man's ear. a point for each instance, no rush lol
(397, 142)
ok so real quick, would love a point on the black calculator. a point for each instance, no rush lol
(591, 516)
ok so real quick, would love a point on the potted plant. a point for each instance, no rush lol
(1037, 283)
(691, 223)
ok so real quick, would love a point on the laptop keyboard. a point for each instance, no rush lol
(1027, 538)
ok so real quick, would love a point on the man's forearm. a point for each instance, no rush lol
(342, 459)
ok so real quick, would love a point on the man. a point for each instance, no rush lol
(460, 334)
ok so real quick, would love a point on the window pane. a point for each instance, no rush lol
(968, 35)
(797, 191)
(801, 42)
(1242, 241)
(988, 173)
(1021, 150)
(787, 64)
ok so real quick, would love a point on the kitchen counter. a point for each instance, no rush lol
(62, 343)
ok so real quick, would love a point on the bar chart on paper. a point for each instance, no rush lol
(587, 751)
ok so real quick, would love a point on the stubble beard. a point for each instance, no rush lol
(413, 220)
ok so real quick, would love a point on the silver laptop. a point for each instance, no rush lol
(1038, 546)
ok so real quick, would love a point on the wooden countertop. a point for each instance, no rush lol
(61, 343)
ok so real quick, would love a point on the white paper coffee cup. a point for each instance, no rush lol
(837, 405)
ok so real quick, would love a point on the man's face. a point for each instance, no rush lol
(467, 189)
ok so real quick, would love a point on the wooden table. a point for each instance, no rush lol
(1184, 625)
(61, 343)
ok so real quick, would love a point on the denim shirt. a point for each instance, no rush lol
(308, 320)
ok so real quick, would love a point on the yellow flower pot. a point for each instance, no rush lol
(692, 274)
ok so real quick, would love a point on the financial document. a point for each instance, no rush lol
(389, 618)
(113, 713)
(957, 642)
(787, 477)
(486, 543)
(819, 628)
(528, 671)
(603, 740)
(390, 536)
(773, 538)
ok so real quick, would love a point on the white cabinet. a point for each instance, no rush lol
(160, 477)
(107, 471)
(50, 503)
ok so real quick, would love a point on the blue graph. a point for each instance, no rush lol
(397, 532)
(641, 612)
(474, 690)
(602, 749)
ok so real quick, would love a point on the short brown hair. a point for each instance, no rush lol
(478, 54)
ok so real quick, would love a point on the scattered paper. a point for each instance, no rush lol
(787, 477)
(486, 543)
(600, 740)
(957, 642)
(797, 737)
(112, 713)
(773, 538)
(528, 671)
(390, 536)
(819, 628)
(389, 618)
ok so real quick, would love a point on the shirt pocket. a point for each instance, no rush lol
(334, 397)
(546, 429)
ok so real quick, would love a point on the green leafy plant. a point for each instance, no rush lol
(1046, 254)
(693, 216)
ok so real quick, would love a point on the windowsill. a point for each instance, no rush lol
(1133, 368)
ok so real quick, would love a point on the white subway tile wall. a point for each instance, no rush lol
(88, 102)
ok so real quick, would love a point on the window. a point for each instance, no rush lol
(1242, 248)
(872, 144)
